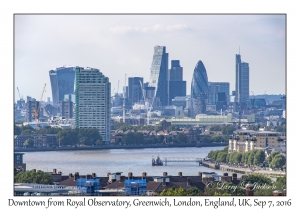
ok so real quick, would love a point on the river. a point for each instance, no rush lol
(136, 161)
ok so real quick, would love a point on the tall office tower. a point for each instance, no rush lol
(92, 93)
(214, 88)
(241, 80)
(177, 87)
(135, 93)
(199, 87)
(66, 109)
(159, 75)
(62, 82)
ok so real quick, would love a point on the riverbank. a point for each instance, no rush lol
(120, 147)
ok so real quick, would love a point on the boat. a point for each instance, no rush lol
(157, 161)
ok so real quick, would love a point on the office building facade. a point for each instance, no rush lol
(176, 85)
(93, 107)
(159, 75)
(135, 93)
(62, 83)
(242, 80)
(217, 87)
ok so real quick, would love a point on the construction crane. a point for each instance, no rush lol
(20, 96)
(36, 111)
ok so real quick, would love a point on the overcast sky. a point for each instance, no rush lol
(124, 44)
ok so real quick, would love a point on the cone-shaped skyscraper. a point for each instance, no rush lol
(199, 87)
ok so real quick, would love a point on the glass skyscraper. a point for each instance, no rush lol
(216, 87)
(92, 93)
(177, 87)
(242, 80)
(135, 93)
(62, 83)
(199, 87)
(159, 74)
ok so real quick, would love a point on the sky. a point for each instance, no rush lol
(124, 44)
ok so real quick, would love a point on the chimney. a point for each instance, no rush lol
(249, 189)
(200, 174)
(165, 174)
(54, 171)
(144, 174)
(34, 170)
(108, 174)
(164, 181)
(277, 193)
(188, 181)
(76, 175)
(59, 172)
(93, 175)
(130, 175)
(180, 174)
(70, 175)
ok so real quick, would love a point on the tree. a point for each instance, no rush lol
(38, 177)
(174, 192)
(271, 156)
(259, 157)
(237, 157)
(28, 143)
(221, 157)
(278, 161)
(181, 138)
(228, 130)
(258, 179)
(215, 128)
(193, 191)
(67, 137)
(89, 136)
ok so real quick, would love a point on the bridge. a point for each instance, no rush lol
(180, 159)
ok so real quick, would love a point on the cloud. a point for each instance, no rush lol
(154, 28)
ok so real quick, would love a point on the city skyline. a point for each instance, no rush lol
(123, 44)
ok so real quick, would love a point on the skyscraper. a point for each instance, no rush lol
(216, 87)
(199, 87)
(92, 93)
(159, 74)
(62, 82)
(135, 93)
(241, 80)
(177, 87)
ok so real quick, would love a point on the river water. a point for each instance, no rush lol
(136, 161)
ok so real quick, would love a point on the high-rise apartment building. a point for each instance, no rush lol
(159, 74)
(217, 87)
(62, 83)
(135, 93)
(177, 87)
(92, 93)
(241, 80)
